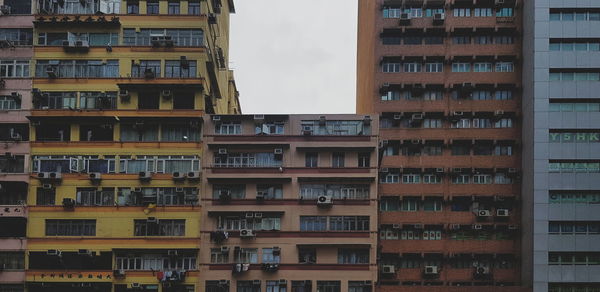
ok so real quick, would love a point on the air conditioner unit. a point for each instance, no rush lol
(95, 176)
(256, 282)
(482, 270)
(193, 175)
(136, 285)
(246, 233)
(282, 282)
(457, 170)
(499, 2)
(417, 116)
(124, 94)
(324, 201)
(431, 270)
(499, 112)
(455, 226)
(278, 151)
(166, 94)
(68, 203)
(259, 117)
(16, 136)
(178, 175)
(439, 16)
(47, 186)
(153, 220)
(156, 40)
(258, 215)
(397, 117)
(307, 130)
(82, 44)
(396, 226)
(119, 273)
(5, 9)
(457, 113)
(260, 196)
(223, 283)
(439, 170)
(322, 121)
(404, 16)
(216, 118)
(384, 170)
(249, 215)
(224, 249)
(388, 269)
(145, 175)
(85, 252)
(512, 170)
(53, 252)
(502, 213)
(222, 151)
(55, 175)
(477, 226)
(172, 252)
(484, 213)
(50, 72)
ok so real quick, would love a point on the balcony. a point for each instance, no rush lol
(448, 133)
(449, 78)
(445, 246)
(441, 217)
(448, 105)
(447, 161)
(456, 275)
(449, 189)
(79, 21)
(396, 288)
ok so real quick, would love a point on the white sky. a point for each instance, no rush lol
(295, 56)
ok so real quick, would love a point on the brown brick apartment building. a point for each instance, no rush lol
(289, 202)
(444, 76)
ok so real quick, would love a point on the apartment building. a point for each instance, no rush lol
(289, 203)
(445, 78)
(118, 94)
(562, 70)
(16, 51)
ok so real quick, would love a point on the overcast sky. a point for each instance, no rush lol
(293, 56)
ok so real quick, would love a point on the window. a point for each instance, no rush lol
(482, 179)
(434, 67)
(313, 223)
(483, 39)
(461, 179)
(433, 95)
(311, 159)
(133, 7)
(270, 128)
(504, 12)
(432, 150)
(353, 256)
(432, 204)
(65, 227)
(391, 40)
(391, 67)
(17, 36)
(10, 260)
(461, 40)
(18, 7)
(180, 37)
(389, 204)
(364, 159)
(413, 40)
(504, 123)
(152, 7)
(574, 197)
(337, 191)
(14, 69)
(580, 166)
(410, 204)
(328, 286)
(504, 67)
(9, 102)
(173, 7)
(411, 178)
(358, 286)
(338, 159)
(12, 164)
(389, 12)
(412, 67)
(482, 67)
(95, 197)
(137, 132)
(228, 128)
(234, 191)
(307, 255)
(503, 95)
(432, 123)
(461, 67)
(247, 256)
(390, 177)
(145, 69)
(483, 12)
(274, 286)
(270, 191)
(247, 286)
(193, 7)
(77, 68)
(180, 133)
(504, 39)
(164, 227)
(256, 159)
(434, 40)
(270, 256)
(461, 12)
(179, 69)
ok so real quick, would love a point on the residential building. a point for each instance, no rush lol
(118, 97)
(561, 154)
(16, 51)
(445, 78)
(289, 203)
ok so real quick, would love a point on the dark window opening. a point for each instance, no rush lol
(184, 100)
(149, 100)
(14, 132)
(12, 163)
(13, 193)
(53, 132)
(72, 287)
(45, 196)
(133, 7)
(19, 6)
(13, 227)
(152, 7)
(70, 261)
(307, 255)
(96, 132)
